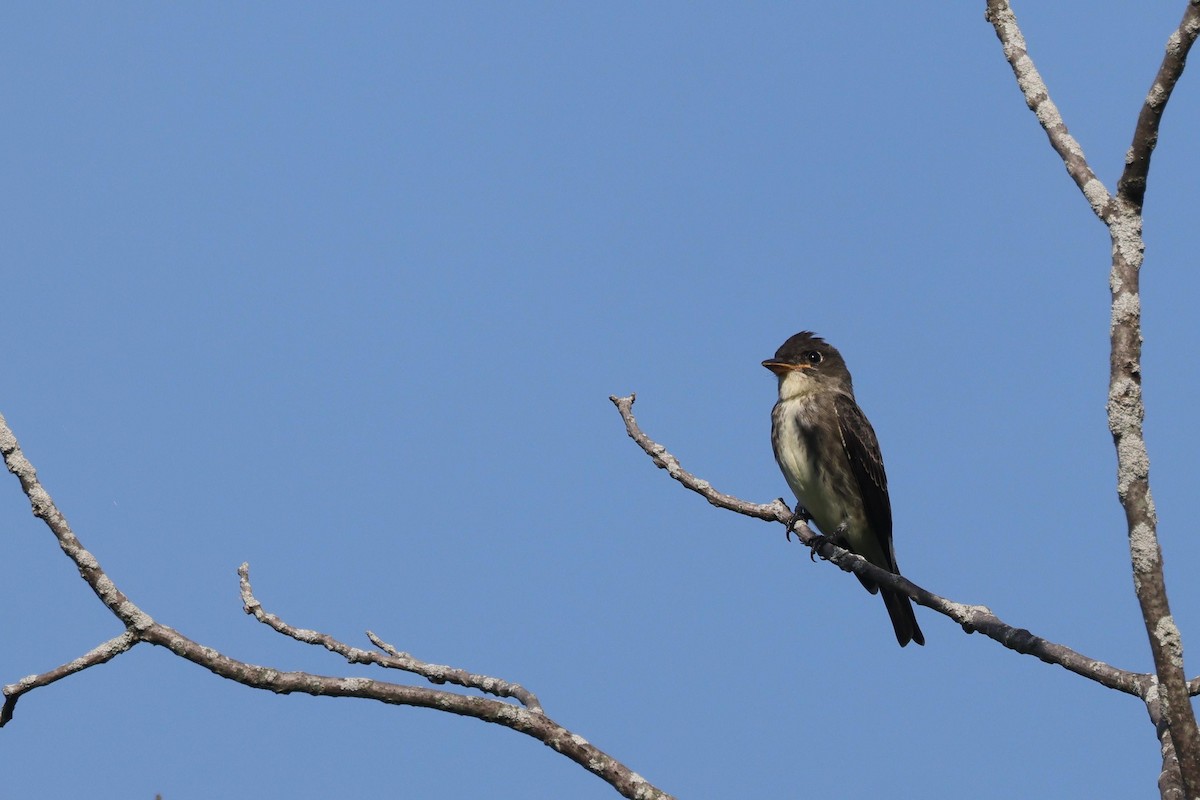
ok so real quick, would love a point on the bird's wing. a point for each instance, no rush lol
(866, 463)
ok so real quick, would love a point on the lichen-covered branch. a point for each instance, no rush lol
(1037, 97)
(531, 723)
(97, 655)
(1126, 411)
(1122, 215)
(971, 617)
(1170, 782)
(1132, 185)
(771, 512)
(140, 627)
(391, 658)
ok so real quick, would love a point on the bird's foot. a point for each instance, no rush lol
(815, 543)
(801, 515)
(838, 538)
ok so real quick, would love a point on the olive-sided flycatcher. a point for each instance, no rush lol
(830, 458)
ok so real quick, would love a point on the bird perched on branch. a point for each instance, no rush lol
(830, 458)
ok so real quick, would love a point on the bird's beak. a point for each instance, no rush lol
(782, 367)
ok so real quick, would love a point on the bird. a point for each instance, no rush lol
(830, 458)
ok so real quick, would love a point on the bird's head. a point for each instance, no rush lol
(805, 364)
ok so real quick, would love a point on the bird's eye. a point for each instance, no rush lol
(812, 357)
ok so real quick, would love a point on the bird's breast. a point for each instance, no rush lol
(811, 459)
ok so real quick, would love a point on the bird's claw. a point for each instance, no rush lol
(838, 538)
(815, 543)
(801, 515)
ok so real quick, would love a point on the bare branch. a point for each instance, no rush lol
(971, 617)
(141, 628)
(434, 673)
(97, 655)
(1037, 97)
(1132, 185)
(44, 509)
(1170, 782)
(1126, 410)
(771, 512)
(526, 721)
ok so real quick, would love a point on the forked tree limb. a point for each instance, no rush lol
(141, 627)
(1122, 215)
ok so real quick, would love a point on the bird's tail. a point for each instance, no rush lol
(900, 609)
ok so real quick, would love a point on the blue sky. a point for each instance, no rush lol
(343, 292)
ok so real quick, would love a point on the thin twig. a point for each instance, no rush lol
(1037, 97)
(434, 673)
(627, 782)
(98, 655)
(44, 509)
(1132, 185)
(771, 512)
(971, 617)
